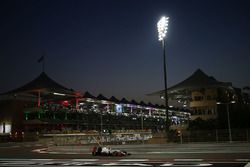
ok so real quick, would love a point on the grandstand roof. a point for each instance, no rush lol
(43, 84)
(114, 99)
(197, 80)
(101, 97)
(142, 103)
(134, 102)
(88, 95)
(124, 101)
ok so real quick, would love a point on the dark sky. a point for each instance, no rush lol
(112, 47)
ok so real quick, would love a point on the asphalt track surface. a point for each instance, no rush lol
(35, 154)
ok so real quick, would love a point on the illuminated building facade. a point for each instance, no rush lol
(200, 94)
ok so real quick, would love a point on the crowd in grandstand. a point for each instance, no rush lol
(94, 114)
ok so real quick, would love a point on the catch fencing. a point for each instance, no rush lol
(237, 135)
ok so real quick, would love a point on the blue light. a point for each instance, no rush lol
(118, 108)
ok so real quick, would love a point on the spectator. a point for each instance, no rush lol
(94, 151)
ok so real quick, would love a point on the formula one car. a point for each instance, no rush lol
(107, 151)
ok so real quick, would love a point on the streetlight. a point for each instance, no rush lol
(162, 27)
(228, 119)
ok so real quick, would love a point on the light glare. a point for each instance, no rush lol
(59, 94)
(162, 27)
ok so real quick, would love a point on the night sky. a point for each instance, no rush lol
(112, 47)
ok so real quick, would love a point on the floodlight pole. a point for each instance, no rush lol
(165, 84)
(162, 27)
(229, 124)
(228, 120)
(101, 126)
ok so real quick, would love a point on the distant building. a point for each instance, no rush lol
(201, 94)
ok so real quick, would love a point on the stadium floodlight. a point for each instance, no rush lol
(162, 27)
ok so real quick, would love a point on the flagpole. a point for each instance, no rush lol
(39, 99)
(42, 60)
(44, 63)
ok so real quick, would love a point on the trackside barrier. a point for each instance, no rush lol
(84, 139)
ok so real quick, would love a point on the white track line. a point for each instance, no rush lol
(124, 164)
(133, 160)
(85, 160)
(188, 160)
(167, 164)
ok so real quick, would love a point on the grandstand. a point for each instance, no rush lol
(43, 106)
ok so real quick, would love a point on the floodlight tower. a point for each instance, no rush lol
(228, 120)
(162, 27)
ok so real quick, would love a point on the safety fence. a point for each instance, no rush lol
(224, 135)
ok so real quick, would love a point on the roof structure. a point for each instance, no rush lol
(88, 95)
(124, 101)
(134, 102)
(101, 97)
(114, 99)
(197, 80)
(142, 103)
(45, 85)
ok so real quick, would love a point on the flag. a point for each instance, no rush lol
(40, 59)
